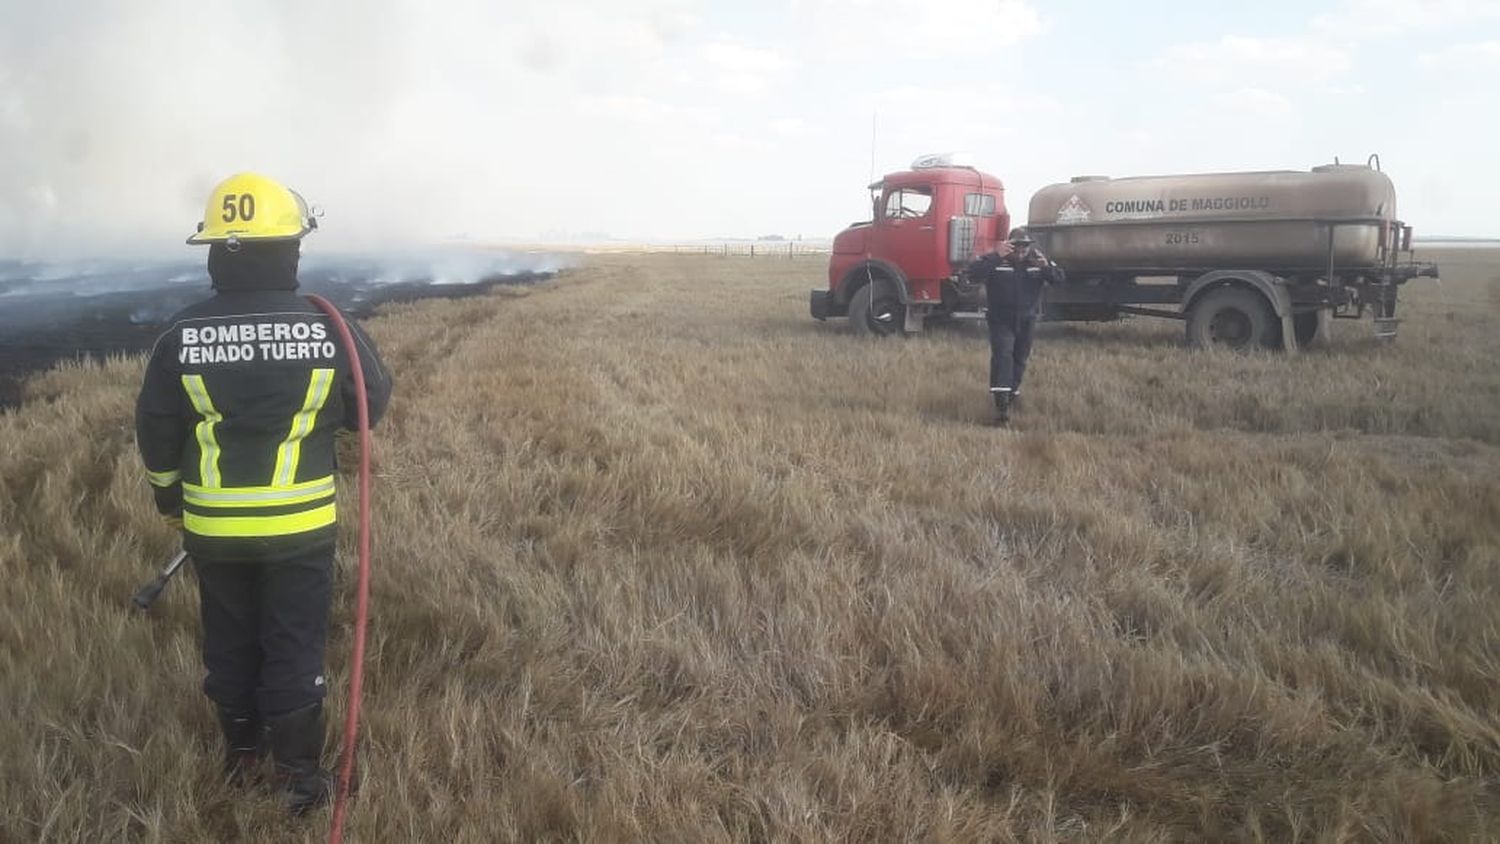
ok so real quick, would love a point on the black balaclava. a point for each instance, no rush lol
(267, 265)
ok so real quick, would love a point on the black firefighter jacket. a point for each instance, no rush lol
(241, 400)
(1013, 286)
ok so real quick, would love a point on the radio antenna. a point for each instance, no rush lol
(874, 115)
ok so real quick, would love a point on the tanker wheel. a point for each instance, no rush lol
(1306, 324)
(1233, 318)
(876, 312)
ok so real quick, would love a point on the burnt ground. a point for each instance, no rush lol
(43, 322)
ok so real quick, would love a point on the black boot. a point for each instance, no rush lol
(1002, 408)
(244, 742)
(297, 747)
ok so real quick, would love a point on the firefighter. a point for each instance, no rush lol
(235, 423)
(1013, 275)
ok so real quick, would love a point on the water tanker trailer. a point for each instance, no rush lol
(1245, 259)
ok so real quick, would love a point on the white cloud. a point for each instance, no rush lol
(743, 84)
(732, 57)
(12, 111)
(738, 69)
(789, 127)
(735, 142)
(903, 28)
(967, 101)
(1256, 77)
(12, 105)
(1257, 102)
(1380, 18)
(914, 120)
(1464, 57)
(644, 110)
(1245, 60)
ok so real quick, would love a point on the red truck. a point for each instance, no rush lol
(1258, 259)
(891, 273)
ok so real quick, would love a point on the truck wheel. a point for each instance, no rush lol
(876, 310)
(1232, 318)
(1307, 327)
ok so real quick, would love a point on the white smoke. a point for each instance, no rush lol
(405, 122)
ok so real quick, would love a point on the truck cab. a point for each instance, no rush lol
(905, 264)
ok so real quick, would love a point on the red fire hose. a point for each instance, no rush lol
(362, 603)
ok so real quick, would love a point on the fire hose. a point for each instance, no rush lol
(362, 591)
(147, 594)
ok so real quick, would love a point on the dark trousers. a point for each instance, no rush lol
(265, 627)
(1010, 346)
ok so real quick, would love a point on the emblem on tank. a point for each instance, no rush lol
(1074, 210)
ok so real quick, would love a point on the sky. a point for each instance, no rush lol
(671, 120)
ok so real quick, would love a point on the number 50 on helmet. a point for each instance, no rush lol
(248, 206)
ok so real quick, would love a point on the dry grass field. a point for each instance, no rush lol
(659, 558)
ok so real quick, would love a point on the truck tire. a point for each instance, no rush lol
(1233, 318)
(1306, 324)
(875, 310)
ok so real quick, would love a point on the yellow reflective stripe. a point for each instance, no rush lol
(290, 451)
(208, 445)
(246, 526)
(301, 486)
(163, 478)
(267, 495)
(258, 496)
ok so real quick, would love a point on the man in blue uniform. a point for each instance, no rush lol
(1013, 276)
(235, 423)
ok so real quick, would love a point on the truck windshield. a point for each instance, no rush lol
(908, 203)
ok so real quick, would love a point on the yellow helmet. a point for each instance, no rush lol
(248, 206)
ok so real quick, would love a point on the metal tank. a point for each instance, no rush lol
(1279, 221)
